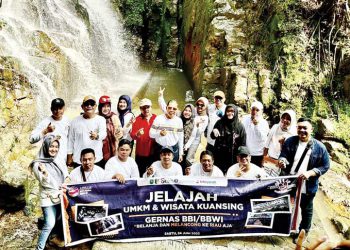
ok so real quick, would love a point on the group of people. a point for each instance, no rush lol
(98, 145)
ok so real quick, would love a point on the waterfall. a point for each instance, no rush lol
(69, 49)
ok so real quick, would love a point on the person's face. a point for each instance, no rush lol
(89, 107)
(207, 163)
(243, 160)
(146, 110)
(53, 148)
(230, 113)
(200, 106)
(88, 161)
(106, 108)
(124, 152)
(57, 113)
(122, 104)
(254, 112)
(304, 130)
(166, 157)
(285, 121)
(187, 113)
(218, 100)
(171, 109)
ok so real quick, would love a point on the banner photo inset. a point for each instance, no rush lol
(179, 208)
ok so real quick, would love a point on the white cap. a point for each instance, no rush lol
(145, 102)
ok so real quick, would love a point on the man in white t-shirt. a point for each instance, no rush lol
(256, 128)
(122, 166)
(167, 131)
(244, 169)
(57, 124)
(87, 131)
(88, 171)
(205, 167)
(165, 167)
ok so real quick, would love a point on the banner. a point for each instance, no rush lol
(179, 208)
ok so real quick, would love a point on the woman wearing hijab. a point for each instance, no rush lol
(229, 135)
(126, 117)
(275, 139)
(50, 175)
(114, 129)
(187, 117)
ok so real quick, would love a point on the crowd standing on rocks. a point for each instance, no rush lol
(99, 146)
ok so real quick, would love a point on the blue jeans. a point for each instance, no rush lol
(50, 216)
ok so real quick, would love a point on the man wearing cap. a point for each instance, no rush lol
(57, 124)
(144, 154)
(206, 166)
(257, 129)
(215, 112)
(201, 122)
(244, 168)
(165, 167)
(87, 131)
(308, 158)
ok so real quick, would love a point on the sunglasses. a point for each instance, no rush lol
(243, 156)
(200, 105)
(218, 97)
(171, 108)
(145, 107)
(89, 103)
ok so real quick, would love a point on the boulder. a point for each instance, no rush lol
(12, 183)
(325, 128)
(343, 225)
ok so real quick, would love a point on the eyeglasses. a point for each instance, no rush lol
(200, 105)
(302, 127)
(171, 108)
(89, 103)
(145, 107)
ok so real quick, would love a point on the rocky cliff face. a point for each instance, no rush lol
(16, 120)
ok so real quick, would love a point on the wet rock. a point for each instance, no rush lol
(264, 83)
(343, 225)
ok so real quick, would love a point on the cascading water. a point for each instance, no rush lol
(69, 49)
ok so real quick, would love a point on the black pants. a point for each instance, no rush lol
(306, 206)
(143, 162)
(257, 160)
(210, 148)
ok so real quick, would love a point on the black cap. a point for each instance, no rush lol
(167, 149)
(57, 103)
(243, 150)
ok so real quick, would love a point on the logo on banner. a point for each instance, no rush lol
(73, 191)
(282, 186)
